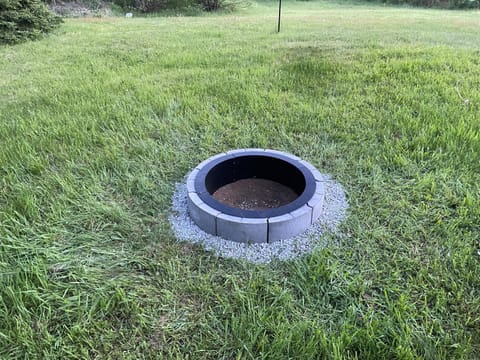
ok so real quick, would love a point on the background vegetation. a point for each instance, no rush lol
(445, 4)
(99, 121)
(188, 6)
(148, 6)
(24, 19)
(21, 20)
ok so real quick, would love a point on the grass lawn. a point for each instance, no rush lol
(100, 120)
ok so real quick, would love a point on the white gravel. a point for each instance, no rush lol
(334, 211)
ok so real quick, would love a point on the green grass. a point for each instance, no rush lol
(100, 120)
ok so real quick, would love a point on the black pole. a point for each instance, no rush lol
(279, 13)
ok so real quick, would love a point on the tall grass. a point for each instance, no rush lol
(99, 121)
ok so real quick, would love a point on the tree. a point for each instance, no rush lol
(21, 20)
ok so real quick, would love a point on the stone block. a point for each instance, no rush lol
(292, 157)
(288, 225)
(209, 160)
(316, 202)
(316, 174)
(191, 180)
(202, 214)
(244, 230)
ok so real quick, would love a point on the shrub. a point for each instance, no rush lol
(445, 4)
(464, 4)
(148, 6)
(211, 5)
(226, 5)
(21, 20)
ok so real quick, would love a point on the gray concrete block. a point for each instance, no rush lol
(316, 202)
(191, 180)
(244, 230)
(277, 226)
(286, 226)
(316, 174)
(236, 152)
(278, 152)
(210, 159)
(202, 214)
(255, 149)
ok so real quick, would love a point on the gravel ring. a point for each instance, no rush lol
(334, 211)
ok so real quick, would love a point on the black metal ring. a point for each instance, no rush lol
(278, 161)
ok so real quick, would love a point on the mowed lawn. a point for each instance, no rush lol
(100, 120)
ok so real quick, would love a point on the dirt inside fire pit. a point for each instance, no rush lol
(255, 194)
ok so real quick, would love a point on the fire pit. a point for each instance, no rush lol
(255, 195)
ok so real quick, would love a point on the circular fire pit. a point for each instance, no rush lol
(255, 195)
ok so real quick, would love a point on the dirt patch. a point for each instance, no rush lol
(255, 194)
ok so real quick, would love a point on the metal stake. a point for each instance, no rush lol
(279, 13)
